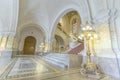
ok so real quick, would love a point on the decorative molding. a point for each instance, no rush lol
(15, 14)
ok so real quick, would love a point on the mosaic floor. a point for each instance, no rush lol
(32, 68)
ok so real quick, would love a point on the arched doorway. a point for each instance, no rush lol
(58, 44)
(29, 45)
(68, 28)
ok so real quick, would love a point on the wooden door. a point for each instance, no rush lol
(29, 45)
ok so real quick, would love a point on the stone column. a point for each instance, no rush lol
(53, 45)
(47, 45)
(117, 26)
(10, 41)
(3, 42)
(5, 52)
(0, 42)
(0, 39)
(114, 39)
(113, 33)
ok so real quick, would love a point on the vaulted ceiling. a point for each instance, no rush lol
(46, 13)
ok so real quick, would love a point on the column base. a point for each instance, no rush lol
(91, 70)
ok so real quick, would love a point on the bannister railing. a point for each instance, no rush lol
(76, 49)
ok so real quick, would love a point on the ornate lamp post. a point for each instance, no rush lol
(89, 69)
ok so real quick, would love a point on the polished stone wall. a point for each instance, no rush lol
(75, 61)
(109, 66)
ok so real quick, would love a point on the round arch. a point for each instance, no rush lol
(30, 30)
(38, 27)
(58, 44)
(29, 45)
(61, 14)
(59, 39)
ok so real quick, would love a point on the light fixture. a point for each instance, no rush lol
(80, 37)
(89, 68)
(89, 34)
(42, 47)
(95, 36)
(83, 28)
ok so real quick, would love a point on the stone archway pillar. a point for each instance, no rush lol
(48, 45)
(113, 31)
(3, 43)
(10, 41)
(6, 44)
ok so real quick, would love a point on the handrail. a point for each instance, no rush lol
(77, 49)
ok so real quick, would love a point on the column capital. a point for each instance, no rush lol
(12, 34)
(7, 34)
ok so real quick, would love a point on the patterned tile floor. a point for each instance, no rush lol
(4, 63)
(32, 68)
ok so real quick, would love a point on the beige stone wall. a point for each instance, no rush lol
(103, 43)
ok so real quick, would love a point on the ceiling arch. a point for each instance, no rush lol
(59, 39)
(38, 27)
(61, 14)
(28, 27)
(33, 12)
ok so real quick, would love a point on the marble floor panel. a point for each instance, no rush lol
(33, 68)
(25, 67)
(5, 66)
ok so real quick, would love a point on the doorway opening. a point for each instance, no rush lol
(29, 45)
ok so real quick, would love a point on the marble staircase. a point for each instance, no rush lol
(59, 60)
(63, 61)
